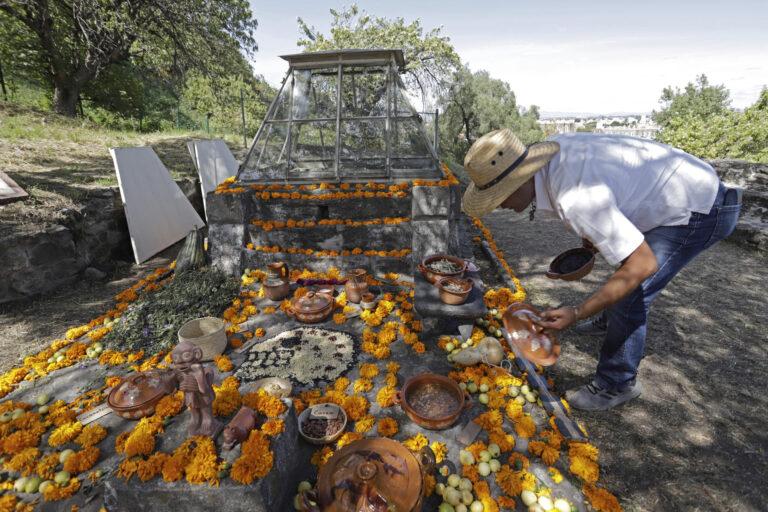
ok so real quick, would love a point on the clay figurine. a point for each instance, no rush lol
(240, 427)
(197, 384)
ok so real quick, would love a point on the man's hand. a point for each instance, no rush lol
(558, 319)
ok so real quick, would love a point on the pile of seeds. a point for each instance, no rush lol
(319, 428)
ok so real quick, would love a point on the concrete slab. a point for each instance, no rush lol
(214, 163)
(158, 213)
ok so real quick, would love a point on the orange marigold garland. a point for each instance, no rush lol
(600, 499)
(255, 459)
(82, 461)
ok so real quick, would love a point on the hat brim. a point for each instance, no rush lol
(477, 203)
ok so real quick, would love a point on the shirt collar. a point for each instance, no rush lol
(542, 194)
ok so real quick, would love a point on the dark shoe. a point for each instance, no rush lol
(595, 326)
(592, 397)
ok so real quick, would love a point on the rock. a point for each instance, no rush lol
(94, 274)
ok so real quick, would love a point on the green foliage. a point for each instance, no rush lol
(430, 59)
(698, 120)
(476, 104)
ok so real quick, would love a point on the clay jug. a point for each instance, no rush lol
(278, 270)
(356, 284)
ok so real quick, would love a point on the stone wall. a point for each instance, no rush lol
(752, 230)
(93, 235)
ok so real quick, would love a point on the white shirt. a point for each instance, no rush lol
(610, 189)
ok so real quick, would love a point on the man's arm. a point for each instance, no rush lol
(635, 269)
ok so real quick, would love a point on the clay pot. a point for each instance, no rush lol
(356, 285)
(433, 276)
(312, 308)
(240, 427)
(279, 271)
(529, 339)
(572, 264)
(368, 301)
(371, 475)
(323, 411)
(136, 396)
(454, 298)
(276, 289)
(460, 398)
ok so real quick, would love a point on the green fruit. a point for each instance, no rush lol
(495, 465)
(20, 484)
(89, 352)
(520, 399)
(484, 468)
(51, 360)
(465, 484)
(494, 450)
(485, 456)
(545, 502)
(530, 398)
(33, 483)
(514, 391)
(304, 486)
(524, 389)
(17, 413)
(5, 417)
(466, 498)
(60, 358)
(449, 347)
(476, 506)
(461, 508)
(452, 496)
(64, 455)
(61, 478)
(445, 471)
(43, 409)
(446, 507)
(528, 498)
(297, 502)
(484, 388)
(466, 458)
(465, 344)
(472, 387)
(440, 488)
(43, 399)
(98, 473)
(463, 386)
(453, 480)
(44, 486)
(482, 398)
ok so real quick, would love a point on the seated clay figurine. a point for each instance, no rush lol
(240, 427)
(487, 351)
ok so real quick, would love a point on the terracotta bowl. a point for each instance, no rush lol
(433, 276)
(530, 340)
(277, 290)
(572, 264)
(454, 298)
(322, 409)
(411, 390)
(136, 396)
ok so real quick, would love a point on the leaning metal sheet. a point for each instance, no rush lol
(9, 190)
(214, 162)
(157, 211)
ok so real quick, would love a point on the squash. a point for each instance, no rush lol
(192, 254)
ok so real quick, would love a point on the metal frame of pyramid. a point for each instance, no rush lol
(341, 116)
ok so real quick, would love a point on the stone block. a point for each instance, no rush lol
(226, 243)
(430, 202)
(52, 245)
(383, 237)
(455, 207)
(369, 208)
(225, 208)
(430, 237)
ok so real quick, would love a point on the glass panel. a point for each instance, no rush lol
(282, 106)
(362, 139)
(360, 168)
(273, 161)
(314, 93)
(313, 149)
(408, 139)
(364, 91)
(401, 104)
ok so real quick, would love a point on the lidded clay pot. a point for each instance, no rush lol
(356, 285)
(312, 308)
(372, 475)
(137, 395)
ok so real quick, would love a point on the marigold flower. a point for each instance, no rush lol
(387, 427)
(25, 461)
(255, 459)
(416, 442)
(386, 396)
(82, 460)
(223, 363)
(91, 435)
(57, 493)
(601, 499)
(320, 457)
(65, 433)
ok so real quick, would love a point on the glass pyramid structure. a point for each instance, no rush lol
(341, 116)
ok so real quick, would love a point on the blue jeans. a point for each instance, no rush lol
(674, 247)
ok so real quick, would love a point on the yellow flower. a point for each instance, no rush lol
(368, 370)
(365, 424)
(585, 469)
(273, 427)
(600, 499)
(347, 438)
(362, 385)
(416, 442)
(223, 363)
(440, 450)
(91, 435)
(82, 461)
(65, 433)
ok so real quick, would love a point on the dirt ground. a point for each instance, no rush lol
(696, 439)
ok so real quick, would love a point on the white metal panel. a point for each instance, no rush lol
(214, 162)
(157, 211)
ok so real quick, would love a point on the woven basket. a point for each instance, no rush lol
(208, 333)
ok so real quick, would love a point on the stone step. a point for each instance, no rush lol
(355, 208)
(374, 264)
(336, 238)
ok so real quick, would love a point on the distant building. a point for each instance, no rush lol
(636, 125)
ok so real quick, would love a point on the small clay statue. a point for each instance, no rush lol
(197, 384)
(240, 427)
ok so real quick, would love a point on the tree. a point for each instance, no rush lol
(429, 56)
(476, 104)
(77, 40)
(698, 100)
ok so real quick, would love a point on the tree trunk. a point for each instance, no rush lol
(65, 94)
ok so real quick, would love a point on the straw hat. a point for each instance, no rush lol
(499, 164)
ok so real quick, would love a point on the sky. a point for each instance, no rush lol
(578, 56)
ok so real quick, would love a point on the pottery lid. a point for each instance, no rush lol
(312, 303)
(140, 388)
(370, 475)
(528, 338)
